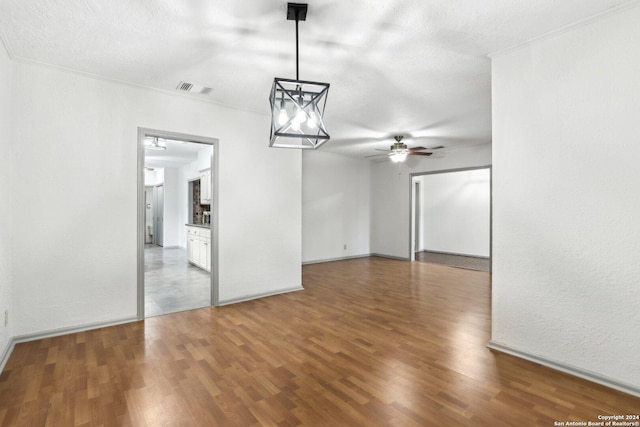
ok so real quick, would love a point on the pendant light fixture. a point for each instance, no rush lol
(297, 106)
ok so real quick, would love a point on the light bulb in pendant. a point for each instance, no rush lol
(311, 122)
(298, 120)
(283, 117)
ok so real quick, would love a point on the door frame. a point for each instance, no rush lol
(417, 208)
(412, 255)
(158, 211)
(214, 142)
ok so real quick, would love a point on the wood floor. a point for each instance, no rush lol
(370, 342)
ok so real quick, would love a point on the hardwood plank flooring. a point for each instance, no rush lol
(369, 342)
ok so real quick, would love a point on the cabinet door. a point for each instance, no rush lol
(192, 247)
(202, 253)
(205, 188)
(191, 241)
(196, 250)
(207, 254)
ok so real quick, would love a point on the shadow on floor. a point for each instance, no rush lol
(459, 261)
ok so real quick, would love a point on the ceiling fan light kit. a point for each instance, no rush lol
(297, 106)
(399, 156)
(399, 151)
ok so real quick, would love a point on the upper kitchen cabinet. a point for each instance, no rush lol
(205, 187)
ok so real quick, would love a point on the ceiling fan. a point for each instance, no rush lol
(399, 151)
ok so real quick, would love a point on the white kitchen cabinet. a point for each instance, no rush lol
(199, 247)
(205, 187)
(207, 254)
(193, 244)
(204, 254)
(189, 248)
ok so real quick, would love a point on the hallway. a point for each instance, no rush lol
(171, 284)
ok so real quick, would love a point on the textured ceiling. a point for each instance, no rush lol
(413, 67)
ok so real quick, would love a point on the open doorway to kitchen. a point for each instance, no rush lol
(177, 222)
(451, 218)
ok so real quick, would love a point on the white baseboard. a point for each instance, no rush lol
(567, 369)
(390, 257)
(7, 353)
(256, 296)
(57, 332)
(354, 257)
(454, 253)
(319, 261)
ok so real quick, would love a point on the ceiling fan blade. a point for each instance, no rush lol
(380, 149)
(416, 149)
(376, 155)
(419, 154)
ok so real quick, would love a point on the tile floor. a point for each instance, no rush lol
(171, 284)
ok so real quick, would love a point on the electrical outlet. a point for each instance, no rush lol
(6, 318)
(345, 246)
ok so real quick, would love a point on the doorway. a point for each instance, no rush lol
(149, 215)
(158, 215)
(417, 209)
(168, 280)
(451, 218)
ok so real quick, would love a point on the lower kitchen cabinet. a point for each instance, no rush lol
(199, 247)
(205, 254)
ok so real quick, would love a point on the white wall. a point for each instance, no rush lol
(77, 158)
(204, 158)
(566, 185)
(456, 210)
(335, 206)
(172, 208)
(154, 177)
(390, 191)
(6, 188)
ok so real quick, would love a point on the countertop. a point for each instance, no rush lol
(199, 225)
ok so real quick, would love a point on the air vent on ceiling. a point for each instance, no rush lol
(193, 88)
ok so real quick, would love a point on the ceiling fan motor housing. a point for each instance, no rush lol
(398, 146)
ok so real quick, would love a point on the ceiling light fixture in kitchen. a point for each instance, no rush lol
(297, 106)
(155, 143)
